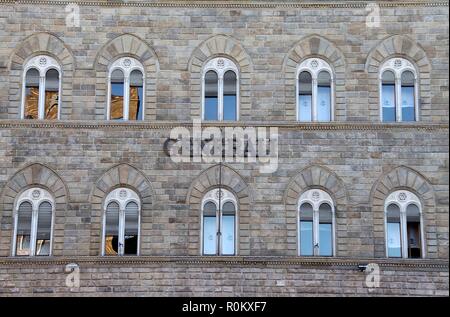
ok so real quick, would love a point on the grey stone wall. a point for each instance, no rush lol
(266, 41)
(357, 160)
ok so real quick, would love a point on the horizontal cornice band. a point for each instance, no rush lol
(234, 3)
(162, 125)
(277, 261)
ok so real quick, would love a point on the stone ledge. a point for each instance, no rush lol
(160, 125)
(257, 261)
(233, 3)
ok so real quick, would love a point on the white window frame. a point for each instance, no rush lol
(127, 65)
(42, 63)
(226, 196)
(316, 197)
(404, 198)
(35, 196)
(220, 65)
(122, 196)
(314, 66)
(398, 66)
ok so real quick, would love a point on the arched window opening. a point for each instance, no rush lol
(315, 91)
(221, 90)
(399, 91)
(316, 224)
(219, 225)
(33, 223)
(404, 225)
(41, 89)
(121, 224)
(126, 90)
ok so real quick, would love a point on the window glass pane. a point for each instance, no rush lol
(136, 95)
(228, 234)
(229, 96)
(228, 208)
(31, 94)
(413, 231)
(305, 97)
(51, 94)
(325, 230)
(388, 96)
(324, 96)
(209, 235)
(131, 228)
(117, 93)
(44, 227)
(306, 229)
(23, 235)
(112, 229)
(408, 98)
(393, 231)
(306, 238)
(211, 96)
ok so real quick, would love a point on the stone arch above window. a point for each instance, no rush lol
(220, 46)
(403, 178)
(319, 47)
(204, 183)
(34, 175)
(45, 44)
(402, 47)
(118, 176)
(127, 45)
(312, 177)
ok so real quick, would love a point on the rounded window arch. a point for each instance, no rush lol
(315, 91)
(220, 90)
(399, 91)
(41, 91)
(219, 223)
(404, 225)
(33, 223)
(126, 97)
(121, 223)
(316, 224)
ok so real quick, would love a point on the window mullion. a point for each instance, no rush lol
(126, 101)
(220, 91)
(33, 232)
(121, 231)
(404, 234)
(41, 102)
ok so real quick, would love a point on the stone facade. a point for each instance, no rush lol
(357, 159)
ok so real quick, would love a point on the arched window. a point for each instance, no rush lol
(126, 90)
(316, 224)
(399, 91)
(220, 90)
(121, 223)
(41, 89)
(219, 213)
(315, 101)
(33, 223)
(403, 222)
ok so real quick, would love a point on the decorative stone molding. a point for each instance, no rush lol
(312, 46)
(28, 49)
(122, 175)
(399, 178)
(217, 46)
(34, 175)
(204, 183)
(120, 47)
(405, 48)
(236, 4)
(163, 125)
(278, 261)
